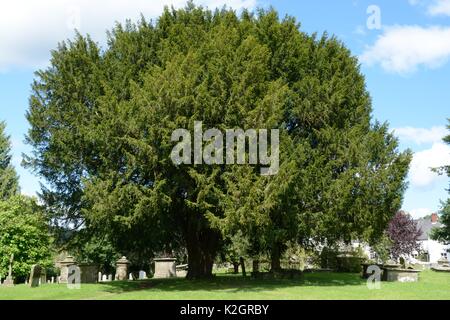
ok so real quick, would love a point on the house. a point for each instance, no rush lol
(431, 250)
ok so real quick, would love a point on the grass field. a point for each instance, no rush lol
(432, 285)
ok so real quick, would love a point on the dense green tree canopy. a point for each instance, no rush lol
(101, 125)
(23, 232)
(9, 181)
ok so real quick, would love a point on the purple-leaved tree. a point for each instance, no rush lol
(404, 234)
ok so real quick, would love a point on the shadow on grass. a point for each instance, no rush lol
(235, 283)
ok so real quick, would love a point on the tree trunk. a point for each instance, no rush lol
(275, 257)
(235, 267)
(202, 246)
(242, 266)
(255, 266)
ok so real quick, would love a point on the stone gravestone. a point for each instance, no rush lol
(122, 269)
(35, 275)
(9, 281)
(105, 277)
(165, 268)
(43, 276)
(99, 276)
(110, 277)
(65, 264)
(142, 275)
(89, 272)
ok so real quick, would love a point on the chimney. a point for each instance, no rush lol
(434, 218)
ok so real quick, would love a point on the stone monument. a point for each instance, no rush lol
(65, 264)
(122, 269)
(89, 272)
(9, 281)
(165, 268)
(35, 275)
(142, 275)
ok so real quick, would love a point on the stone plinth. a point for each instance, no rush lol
(65, 264)
(441, 269)
(442, 262)
(401, 275)
(122, 269)
(165, 268)
(9, 282)
(89, 272)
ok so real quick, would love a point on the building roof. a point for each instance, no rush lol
(425, 225)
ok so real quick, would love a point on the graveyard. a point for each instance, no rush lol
(155, 176)
(432, 285)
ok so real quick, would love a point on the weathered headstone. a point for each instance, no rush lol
(142, 275)
(122, 268)
(99, 276)
(35, 275)
(43, 276)
(165, 268)
(74, 277)
(110, 277)
(65, 264)
(9, 281)
(89, 272)
(105, 277)
(130, 276)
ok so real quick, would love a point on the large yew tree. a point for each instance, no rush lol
(101, 125)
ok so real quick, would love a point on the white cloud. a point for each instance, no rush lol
(30, 29)
(421, 135)
(401, 49)
(420, 173)
(420, 212)
(439, 7)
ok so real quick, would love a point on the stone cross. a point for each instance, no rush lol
(9, 281)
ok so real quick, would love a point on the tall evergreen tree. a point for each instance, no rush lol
(9, 181)
(101, 125)
(443, 234)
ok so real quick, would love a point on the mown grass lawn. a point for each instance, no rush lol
(432, 285)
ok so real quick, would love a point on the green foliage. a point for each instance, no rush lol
(443, 234)
(328, 257)
(236, 246)
(382, 248)
(9, 181)
(331, 257)
(24, 233)
(101, 123)
(93, 249)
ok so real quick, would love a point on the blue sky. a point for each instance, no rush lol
(404, 53)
